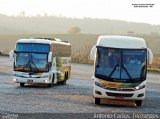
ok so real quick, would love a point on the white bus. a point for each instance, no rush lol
(41, 60)
(120, 68)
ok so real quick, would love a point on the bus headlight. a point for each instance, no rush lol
(99, 84)
(45, 76)
(139, 87)
(46, 81)
(16, 75)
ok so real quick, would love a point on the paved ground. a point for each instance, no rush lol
(75, 97)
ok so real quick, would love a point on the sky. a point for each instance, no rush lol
(110, 9)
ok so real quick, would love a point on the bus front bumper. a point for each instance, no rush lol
(32, 80)
(99, 92)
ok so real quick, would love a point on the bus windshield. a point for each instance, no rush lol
(33, 47)
(31, 62)
(121, 65)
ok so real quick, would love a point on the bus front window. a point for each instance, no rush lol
(108, 63)
(32, 57)
(39, 62)
(33, 62)
(33, 47)
(22, 62)
(134, 63)
(120, 65)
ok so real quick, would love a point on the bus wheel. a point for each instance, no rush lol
(22, 84)
(97, 101)
(51, 84)
(138, 103)
(65, 79)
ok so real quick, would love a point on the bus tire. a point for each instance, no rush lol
(138, 103)
(51, 84)
(65, 79)
(67, 75)
(97, 101)
(22, 84)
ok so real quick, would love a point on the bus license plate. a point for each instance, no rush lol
(29, 81)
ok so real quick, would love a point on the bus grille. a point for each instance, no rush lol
(120, 94)
(119, 89)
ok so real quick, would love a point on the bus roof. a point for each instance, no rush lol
(116, 41)
(42, 41)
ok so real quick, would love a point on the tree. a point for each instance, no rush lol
(74, 30)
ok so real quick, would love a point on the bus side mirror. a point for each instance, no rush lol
(11, 55)
(50, 57)
(150, 56)
(93, 53)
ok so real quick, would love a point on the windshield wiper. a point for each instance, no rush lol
(113, 71)
(34, 63)
(126, 72)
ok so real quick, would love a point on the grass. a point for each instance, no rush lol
(156, 63)
(82, 56)
(155, 67)
(153, 70)
(4, 54)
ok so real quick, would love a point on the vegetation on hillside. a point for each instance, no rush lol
(52, 24)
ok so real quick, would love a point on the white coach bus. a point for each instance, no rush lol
(120, 68)
(41, 60)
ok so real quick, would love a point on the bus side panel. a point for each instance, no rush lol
(62, 52)
(63, 66)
